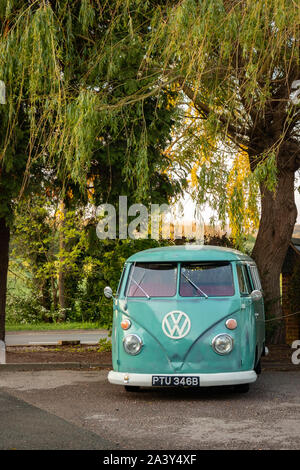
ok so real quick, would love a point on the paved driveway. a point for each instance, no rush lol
(268, 417)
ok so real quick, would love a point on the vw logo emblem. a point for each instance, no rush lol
(176, 324)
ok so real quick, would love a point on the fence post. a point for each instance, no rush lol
(2, 353)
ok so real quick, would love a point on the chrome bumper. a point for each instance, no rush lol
(206, 380)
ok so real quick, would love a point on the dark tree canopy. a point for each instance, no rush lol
(62, 65)
(93, 87)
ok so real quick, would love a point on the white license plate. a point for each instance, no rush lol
(175, 381)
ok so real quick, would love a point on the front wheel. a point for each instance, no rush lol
(242, 388)
(258, 368)
(132, 388)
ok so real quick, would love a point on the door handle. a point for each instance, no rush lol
(256, 315)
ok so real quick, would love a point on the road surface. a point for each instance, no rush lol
(72, 407)
(21, 338)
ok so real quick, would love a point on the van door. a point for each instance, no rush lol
(258, 306)
(247, 307)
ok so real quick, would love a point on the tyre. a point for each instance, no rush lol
(242, 388)
(132, 388)
(258, 368)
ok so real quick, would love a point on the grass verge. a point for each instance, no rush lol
(52, 326)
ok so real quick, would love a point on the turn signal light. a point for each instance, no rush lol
(125, 324)
(231, 324)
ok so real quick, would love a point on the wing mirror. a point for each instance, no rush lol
(256, 295)
(108, 292)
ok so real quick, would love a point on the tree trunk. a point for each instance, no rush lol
(45, 297)
(4, 256)
(278, 218)
(61, 274)
(54, 294)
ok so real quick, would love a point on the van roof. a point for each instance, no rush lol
(189, 253)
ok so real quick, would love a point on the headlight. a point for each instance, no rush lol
(222, 344)
(132, 344)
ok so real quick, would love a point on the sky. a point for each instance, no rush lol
(207, 213)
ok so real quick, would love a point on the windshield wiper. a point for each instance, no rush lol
(194, 285)
(147, 295)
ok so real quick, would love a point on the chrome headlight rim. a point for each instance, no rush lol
(139, 341)
(213, 343)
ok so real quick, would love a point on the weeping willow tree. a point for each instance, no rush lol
(237, 63)
(29, 67)
(219, 176)
(63, 65)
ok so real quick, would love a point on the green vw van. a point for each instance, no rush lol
(187, 316)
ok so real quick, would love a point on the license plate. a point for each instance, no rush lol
(175, 381)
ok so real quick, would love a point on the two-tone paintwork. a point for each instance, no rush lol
(192, 354)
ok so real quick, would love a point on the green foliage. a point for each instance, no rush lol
(104, 345)
(88, 264)
(37, 226)
(44, 326)
(89, 87)
(266, 171)
(234, 62)
(65, 70)
(24, 309)
(63, 65)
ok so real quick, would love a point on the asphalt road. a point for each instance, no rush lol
(21, 338)
(80, 409)
(27, 427)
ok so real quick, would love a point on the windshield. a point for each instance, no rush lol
(206, 280)
(152, 280)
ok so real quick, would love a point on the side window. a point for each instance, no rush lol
(247, 279)
(244, 283)
(250, 276)
(255, 277)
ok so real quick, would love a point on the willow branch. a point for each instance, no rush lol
(234, 133)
